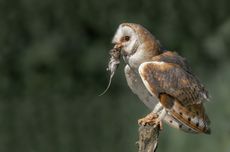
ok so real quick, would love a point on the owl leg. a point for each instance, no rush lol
(154, 118)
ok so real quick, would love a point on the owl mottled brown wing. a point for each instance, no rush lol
(169, 78)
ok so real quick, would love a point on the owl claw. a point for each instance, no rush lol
(151, 120)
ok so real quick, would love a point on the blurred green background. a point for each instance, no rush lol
(53, 56)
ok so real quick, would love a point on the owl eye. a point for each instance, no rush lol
(126, 38)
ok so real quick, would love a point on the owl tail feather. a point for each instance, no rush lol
(190, 118)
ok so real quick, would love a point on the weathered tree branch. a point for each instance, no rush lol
(148, 138)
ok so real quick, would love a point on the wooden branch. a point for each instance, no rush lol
(148, 138)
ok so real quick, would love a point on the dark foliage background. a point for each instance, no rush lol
(53, 56)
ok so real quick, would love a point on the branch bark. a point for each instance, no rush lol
(148, 138)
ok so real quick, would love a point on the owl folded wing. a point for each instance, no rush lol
(169, 78)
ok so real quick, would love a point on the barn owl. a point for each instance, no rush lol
(163, 80)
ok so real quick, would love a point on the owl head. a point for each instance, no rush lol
(137, 44)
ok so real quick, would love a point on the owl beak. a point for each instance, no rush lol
(118, 46)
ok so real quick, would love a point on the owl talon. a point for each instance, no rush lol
(150, 119)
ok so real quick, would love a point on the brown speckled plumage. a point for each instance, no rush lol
(169, 77)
